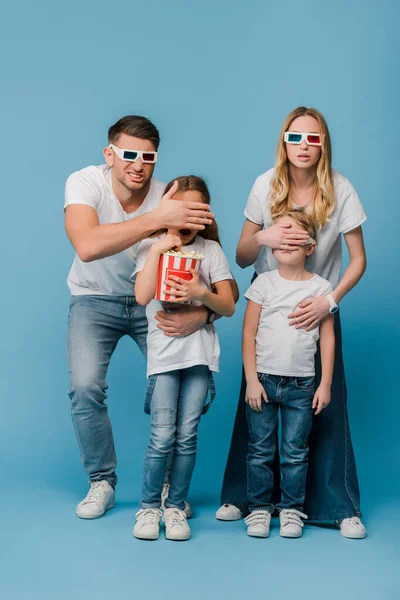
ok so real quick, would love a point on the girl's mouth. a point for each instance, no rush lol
(185, 232)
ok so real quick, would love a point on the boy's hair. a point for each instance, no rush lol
(304, 221)
(192, 183)
(135, 126)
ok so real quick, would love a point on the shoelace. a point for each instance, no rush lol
(292, 517)
(175, 516)
(149, 516)
(96, 492)
(258, 517)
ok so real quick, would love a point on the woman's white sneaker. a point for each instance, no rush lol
(229, 512)
(352, 528)
(147, 526)
(176, 525)
(291, 523)
(258, 523)
(101, 497)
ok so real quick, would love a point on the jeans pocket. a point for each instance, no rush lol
(262, 376)
(163, 417)
(304, 383)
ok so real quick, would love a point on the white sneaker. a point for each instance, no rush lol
(352, 528)
(291, 523)
(176, 526)
(101, 497)
(164, 495)
(147, 526)
(229, 512)
(258, 523)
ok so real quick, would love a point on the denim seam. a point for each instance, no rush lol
(346, 428)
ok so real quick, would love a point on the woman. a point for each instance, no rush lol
(303, 179)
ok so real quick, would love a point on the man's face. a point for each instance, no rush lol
(132, 175)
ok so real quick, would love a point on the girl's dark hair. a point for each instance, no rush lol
(192, 183)
(135, 126)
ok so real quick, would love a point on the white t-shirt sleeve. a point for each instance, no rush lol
(351, 213)
(219, 268)
(257, 291)
(142, 254)
(253, 211)
(80, 189)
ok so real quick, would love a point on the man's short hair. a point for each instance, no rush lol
(135, 126)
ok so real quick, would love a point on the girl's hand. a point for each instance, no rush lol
(186, 290)
(311, 312)
(322, 397)
(255, 393)
(282, 236)
(167, 242)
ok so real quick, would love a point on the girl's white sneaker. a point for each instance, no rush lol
(291, 523)
(258, 523)
(164, 495)
(176, 525)
(229, 512)
(352, 528)
(147, 526)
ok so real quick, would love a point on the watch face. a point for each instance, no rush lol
(333, 309)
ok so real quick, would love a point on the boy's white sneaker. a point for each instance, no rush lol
(101, 497)
(258, 523)
(291, 523)
(164, 495)
(228, 512)
(352, 528)
(176, 525)
(147, 526)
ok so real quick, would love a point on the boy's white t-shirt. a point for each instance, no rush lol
(327, 258)
(165, 353)
(280, 348)
(107, 276)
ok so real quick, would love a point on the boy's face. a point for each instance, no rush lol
(298, 255)
(187, 235)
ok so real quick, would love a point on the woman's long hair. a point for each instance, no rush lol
(323, 201)
(193, 183)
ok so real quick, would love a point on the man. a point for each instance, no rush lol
(109, 209)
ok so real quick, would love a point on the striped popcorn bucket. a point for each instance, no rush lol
(174, 265)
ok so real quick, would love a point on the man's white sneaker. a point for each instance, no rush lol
(228, 512)
(352, 528)
(164, 495)
(101, 497)
(147, 526)
(176, 526)
(258, 523)
(291, 523)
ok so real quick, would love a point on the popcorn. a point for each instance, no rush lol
(183, 254)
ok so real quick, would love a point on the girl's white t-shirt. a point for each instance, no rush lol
(107, 276)
(326, 260)
(165, 353)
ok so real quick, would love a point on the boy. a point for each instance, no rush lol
(279, 367)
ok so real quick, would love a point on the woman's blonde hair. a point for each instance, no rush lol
(323, 201)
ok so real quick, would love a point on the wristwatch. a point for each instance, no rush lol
(333, 306)
(211, 316)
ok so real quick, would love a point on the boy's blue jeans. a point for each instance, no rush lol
(294, 396)
(177, 403)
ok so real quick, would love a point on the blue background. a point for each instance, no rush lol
(217, 78)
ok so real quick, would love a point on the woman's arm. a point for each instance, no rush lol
(322, 396)
(248, 248)
(254, 390)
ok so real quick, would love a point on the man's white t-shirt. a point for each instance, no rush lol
(327, 258)
(107, 276)
(280, 348)
(165, 353)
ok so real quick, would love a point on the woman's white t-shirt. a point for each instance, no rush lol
(107, 276)
(326, 260)
(165, 353)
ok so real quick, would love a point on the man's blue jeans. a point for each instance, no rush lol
(95, 325)
(294, 396)
(177, 403)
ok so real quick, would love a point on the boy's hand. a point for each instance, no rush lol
(186, 290)
(255, 393)
(322, 397)
(167, 242)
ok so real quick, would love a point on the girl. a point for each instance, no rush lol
(303, 179)
(179, 367)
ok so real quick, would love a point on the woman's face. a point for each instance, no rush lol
(303, 156)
